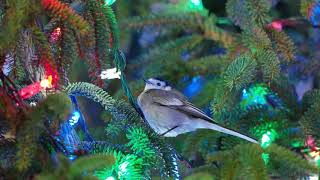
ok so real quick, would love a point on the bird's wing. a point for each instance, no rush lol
(175, 100)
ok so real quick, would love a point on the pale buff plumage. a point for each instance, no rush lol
(169, 113)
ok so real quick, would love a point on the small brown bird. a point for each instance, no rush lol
(169, 113)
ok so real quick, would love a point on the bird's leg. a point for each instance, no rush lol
(168, 130)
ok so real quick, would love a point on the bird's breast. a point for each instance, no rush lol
(162, 118)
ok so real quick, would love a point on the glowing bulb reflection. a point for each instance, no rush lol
(123, 168)
(110, 178)
(75, 118)
(196, 2)
(46, 83)
(109, 2)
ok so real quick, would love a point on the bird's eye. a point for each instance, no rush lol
(158, 84)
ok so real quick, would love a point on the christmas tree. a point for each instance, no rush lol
(71, 71)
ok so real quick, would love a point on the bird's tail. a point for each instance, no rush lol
(216, 127)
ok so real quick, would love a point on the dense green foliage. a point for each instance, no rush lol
(246, 89)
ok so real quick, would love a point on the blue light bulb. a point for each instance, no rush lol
(76, 115)
(75, 118)
(314, 15)
(194, 87)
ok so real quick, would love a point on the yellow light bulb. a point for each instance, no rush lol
(46, 83)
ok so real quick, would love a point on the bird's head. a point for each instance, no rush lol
(157, 83)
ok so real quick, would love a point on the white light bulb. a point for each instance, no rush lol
(110, 74)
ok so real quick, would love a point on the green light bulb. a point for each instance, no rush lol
(267, 138)
(196, 4)
(109, 2)
(123, 166)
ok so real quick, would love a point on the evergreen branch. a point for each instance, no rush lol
(18, 12)
(237, 12)
(286, 91)
(196, 139)
(65, 13)
(112, 22)
(7, 157)
(208, 169)
(258, 12)
(86, 43)
(282, 44)
(80, 168)
(270, 64)
(176, 67)
(30, 54)
(184, 20)
(195, 21)
(12, 115)
(119, 109)
(305, 6)
(289, 164)
(2, 10)
(125, 167)
(237, 164)
(101, 33)
(239, 73)
(255, 39)
(309, 121)
(21, 58)
(226, 143)
(140, 144)
(224, 106)
(177, 45)
(54, 109)
(169, 165)
(212, 32)
(251, 13)
(97, 147)
(200, 176)
(312, 67)
(90, 163)
(51, 25)
(68, 54)
(42, 44)
(119, 58)
(212, 64)
(103, 15)
(310, 98)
